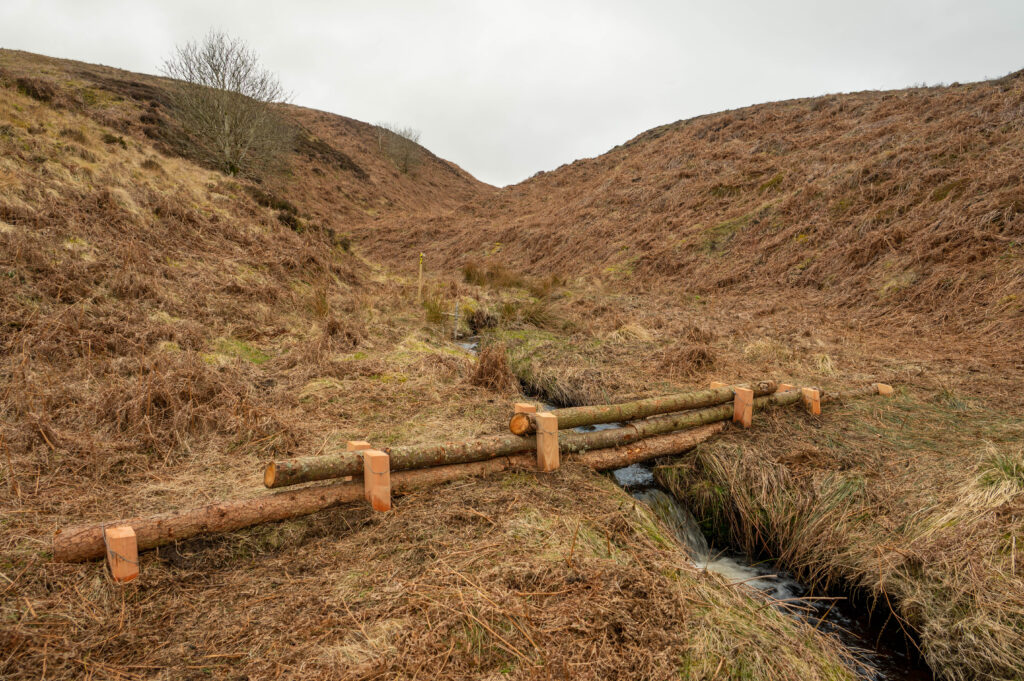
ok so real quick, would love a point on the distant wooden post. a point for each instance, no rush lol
(743, 406)
(786, 387)
(122, 552)
(419, 287)
(718, 384)
(547, 442)
(884, 389)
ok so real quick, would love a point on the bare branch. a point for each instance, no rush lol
(400, 144)
(224, 99)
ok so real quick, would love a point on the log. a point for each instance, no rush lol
(339, 464)
(574, 417)
(86, 542)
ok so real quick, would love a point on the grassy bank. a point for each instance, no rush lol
(512, 577)
(916, 502)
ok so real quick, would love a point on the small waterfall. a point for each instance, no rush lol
(680, 521)
(875, 659)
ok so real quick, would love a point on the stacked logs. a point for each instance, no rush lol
(658, 427)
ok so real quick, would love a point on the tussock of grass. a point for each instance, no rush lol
(926, 525)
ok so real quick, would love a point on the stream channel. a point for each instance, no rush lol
(881, 653)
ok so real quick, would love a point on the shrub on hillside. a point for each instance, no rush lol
(224, 100)
(401, 145)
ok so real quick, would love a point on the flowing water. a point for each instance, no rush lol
(880, 653)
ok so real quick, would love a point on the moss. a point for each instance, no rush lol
(772, 182)
(717, 238)
(956, 188)
(722, 191)
(235, 349)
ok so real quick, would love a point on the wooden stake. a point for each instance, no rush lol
(718, 384)
(884, 389)
(377, 479)
(786, 387)
(743, 407)
(122, 552)
(419, 286)
(354, 446)
(524, 408)
(811, 399)
(547, 442)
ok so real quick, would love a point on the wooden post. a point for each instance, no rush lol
(355, 446)
(419, 286)
(743, 406)
(884, 389)
(786, 387)
(524, 408)
(812, 400)
(122, 552)
(547, 442)
(718, 384)
(377, 479)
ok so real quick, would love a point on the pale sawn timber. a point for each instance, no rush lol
(341, 464)
(86, 542)
(574, 417)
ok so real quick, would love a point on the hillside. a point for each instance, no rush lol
(903, 209)
(166, 329)
(847, 238)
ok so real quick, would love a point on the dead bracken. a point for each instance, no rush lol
(166, 329)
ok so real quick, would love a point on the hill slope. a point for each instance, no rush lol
(906, 206)
(165, 329)
(861, 237)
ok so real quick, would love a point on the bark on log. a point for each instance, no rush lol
(573, 417)
(86, 542)
(342, 463)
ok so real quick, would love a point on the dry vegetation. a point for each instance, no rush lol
(917, 502)
(166, 329)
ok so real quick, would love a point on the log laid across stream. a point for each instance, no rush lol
(574, 417)
(340, 464)
(86, 542)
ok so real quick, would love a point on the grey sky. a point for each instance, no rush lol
(508, 88)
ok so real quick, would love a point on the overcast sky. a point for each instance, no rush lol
(506, 88)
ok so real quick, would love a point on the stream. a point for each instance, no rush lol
(880, 653)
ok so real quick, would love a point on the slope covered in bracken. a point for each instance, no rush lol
(166, 329)
(826, 241)
(905, 205)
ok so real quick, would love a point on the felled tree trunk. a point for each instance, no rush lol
(86, 542)
(573, 417)
(341, 464)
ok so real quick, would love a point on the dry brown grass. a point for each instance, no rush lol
(523, 576)
(164, 332)
(492, 371)
(915, 503)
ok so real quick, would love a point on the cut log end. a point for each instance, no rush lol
(269, 474)
(520, 424)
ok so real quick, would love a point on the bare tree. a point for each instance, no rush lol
(224, 99)
(400, 144)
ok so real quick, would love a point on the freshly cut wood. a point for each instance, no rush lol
(86, 542)
(574, 417)
(339, 464)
